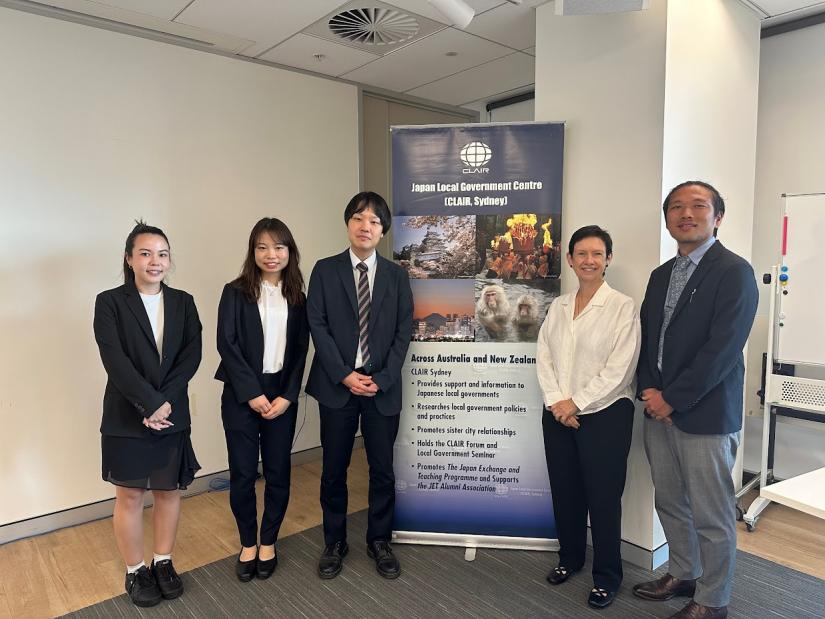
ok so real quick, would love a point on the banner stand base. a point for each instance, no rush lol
(472, 542)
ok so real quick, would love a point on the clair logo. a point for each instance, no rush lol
(475, 156)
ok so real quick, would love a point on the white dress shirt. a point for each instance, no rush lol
(274, 312)
(154, 309)
(370, 262)
(592, 359)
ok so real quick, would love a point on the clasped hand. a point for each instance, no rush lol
(269, 409)
(656, 407)
(159, 420)
(564, 411)
(360, 384)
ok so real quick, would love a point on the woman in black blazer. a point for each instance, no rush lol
(149, 337)
(263, 337)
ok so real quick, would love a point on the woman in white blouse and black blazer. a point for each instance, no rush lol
(587, 351)
(263, 337)
(149, 337)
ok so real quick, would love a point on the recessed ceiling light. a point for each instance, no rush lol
(451, 54)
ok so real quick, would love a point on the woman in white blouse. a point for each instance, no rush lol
(149, 337)
(262, 339)
(587, 352)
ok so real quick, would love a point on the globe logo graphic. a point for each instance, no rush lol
(475, 154)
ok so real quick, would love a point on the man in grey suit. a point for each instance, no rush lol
(696, 317)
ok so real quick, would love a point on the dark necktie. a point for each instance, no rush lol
(363, 313)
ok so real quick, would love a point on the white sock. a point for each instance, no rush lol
(158, 558)
(131, 569)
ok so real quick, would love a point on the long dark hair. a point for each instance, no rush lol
(141, 227)
(292, 282)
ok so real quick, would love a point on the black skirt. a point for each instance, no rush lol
(158, 462)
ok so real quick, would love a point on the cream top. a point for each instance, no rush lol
(592, 359)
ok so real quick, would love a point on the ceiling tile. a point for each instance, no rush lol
(165, 9)
(398, 27)
(267, 22)
(507, 24)
(216, 38)
(422, 7)
(299, 51)
(425, 61)
(514, 71)
(777, 7)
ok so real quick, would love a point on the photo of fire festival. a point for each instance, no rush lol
(519, 276)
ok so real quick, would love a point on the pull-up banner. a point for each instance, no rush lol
(477, 220)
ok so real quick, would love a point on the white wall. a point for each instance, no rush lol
(521, 111)
(790, 156)
(648, 105)
(711, 93)
(100, 128)
(604, 75)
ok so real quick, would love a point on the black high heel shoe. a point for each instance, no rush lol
(265, 568)
(245, 570)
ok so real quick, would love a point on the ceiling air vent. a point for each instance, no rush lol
(374, 26)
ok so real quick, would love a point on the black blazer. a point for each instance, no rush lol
(333, 321)
(139, 380)
(702, 365)
(241, 347)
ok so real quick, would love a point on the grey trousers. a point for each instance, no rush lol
(695, 501)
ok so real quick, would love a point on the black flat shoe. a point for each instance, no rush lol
(559, 574)
(265, 568)
(600, 598)
(245, 570)
(386, 563)
(332, 560)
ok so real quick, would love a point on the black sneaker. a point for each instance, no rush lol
(142, 588)
(169, 582)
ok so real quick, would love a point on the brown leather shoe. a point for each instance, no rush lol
(664, 588)
(697, 611)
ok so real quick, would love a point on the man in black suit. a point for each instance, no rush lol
(359, 307)
(696, 317)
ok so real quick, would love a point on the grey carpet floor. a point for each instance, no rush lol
(438, 582)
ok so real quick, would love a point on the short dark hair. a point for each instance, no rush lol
(716, 198)
(141, 227)
(369, 200)
(591, 232)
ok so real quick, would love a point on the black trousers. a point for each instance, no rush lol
(587, 470)
(247, 435)
(338, 428)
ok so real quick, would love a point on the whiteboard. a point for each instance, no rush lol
(801, 300)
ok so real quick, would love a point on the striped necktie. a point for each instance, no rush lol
(363, 313)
